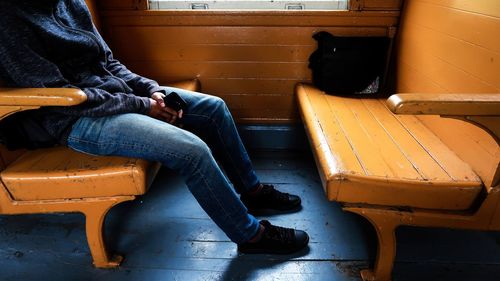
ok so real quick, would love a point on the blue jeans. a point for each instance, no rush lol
(208, 130)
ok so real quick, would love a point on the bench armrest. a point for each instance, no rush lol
(482, 110)
(41, 96)
(13, 100)
(446, 104)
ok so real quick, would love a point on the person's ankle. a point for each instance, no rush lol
(255, 190)
(257, 236)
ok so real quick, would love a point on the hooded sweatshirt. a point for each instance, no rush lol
(53, 44)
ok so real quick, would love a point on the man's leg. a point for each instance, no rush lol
(209, 118)
(140, 136)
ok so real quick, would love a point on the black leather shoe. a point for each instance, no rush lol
(276, 240)
(271, 199)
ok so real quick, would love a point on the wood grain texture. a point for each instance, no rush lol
(366, 154)
(445, 104)
(453, 47)
(253, 59)
(41, 97)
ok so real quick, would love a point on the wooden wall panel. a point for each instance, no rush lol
(481, 7)
(452, 46)
(122, 4)
(382, 4)
(251, 59)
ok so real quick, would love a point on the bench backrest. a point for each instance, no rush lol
(439, 49)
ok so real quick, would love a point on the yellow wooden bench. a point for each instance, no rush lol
(62, 180)
(380, 161)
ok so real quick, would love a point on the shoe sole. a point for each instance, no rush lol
(292, 208)
(274, 251)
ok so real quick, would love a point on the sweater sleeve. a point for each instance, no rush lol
(22, 65)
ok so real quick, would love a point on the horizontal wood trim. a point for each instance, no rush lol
(202, 69)
(265, 102)
(256, 87)
(123, 4)
(251, 18)
(382, 4)
(226, 35)
(216, 52)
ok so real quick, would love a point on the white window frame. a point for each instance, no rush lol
(259, 5)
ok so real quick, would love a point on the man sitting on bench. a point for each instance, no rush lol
(53, 44)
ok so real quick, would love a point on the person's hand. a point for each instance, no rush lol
(160, 111)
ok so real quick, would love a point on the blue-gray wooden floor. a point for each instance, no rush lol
(166, 236)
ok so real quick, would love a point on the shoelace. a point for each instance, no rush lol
(279, 234)
(269, 189)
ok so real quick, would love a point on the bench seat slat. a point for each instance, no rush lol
(394, 154)
(377, 137)
(457, 169)
(361, 143)
(59, 173)
(329, 163)
(410, 147)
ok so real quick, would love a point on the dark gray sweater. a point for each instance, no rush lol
(52, 44)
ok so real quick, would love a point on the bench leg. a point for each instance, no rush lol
(95, 218)
(385, 226)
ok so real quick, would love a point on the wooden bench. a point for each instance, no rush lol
(62, 180)
(380, 161)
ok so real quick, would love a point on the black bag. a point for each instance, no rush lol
(348, 65)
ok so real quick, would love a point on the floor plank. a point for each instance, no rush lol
(165, 235)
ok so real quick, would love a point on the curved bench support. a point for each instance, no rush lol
(95, 218)
(385, 226)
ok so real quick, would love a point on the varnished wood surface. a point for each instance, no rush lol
(252, 59)
(369, 154)
(59, 173)
(41, 97)
(445, 104)
(453, 47)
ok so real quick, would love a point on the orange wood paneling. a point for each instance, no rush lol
(382, 4)
(123, 4)
(452, 46)
(251, 59)
(249, 18)
(484, 7)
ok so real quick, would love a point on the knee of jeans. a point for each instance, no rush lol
(220, 107)
(198, 151)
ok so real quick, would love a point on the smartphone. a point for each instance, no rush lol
(174, 101)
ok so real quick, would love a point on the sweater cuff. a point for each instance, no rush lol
(144, 105)
(157, 89)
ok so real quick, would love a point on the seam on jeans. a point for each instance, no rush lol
(237, 226)
(129, 145)
(82, 141)
(238, 173)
